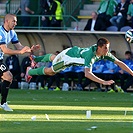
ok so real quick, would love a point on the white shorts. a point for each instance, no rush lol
(62, 61)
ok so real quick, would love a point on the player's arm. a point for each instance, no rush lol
(29, 10)
(90, 75)
(19, 46)
(9, 51)
(123, 66)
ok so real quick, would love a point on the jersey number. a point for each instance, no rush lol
(2, 67)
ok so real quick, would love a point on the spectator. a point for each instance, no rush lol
(45, 5)
(57, 11)
(120, 14)
(97, 70)
(94, 23)
(55, 78)
(79, 75)
(12, 63)
(42, 78)
(67, 74)
(123, 75)
(130, 13)
(25, 12)
(109, 71)
(128, 83)
(26, 62)
(106, 11)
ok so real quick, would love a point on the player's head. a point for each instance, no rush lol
(94, 15)
(10, 21)
(113, 52)
(128, 55)
(103, 46)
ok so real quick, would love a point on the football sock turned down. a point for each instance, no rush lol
(44, 58)
(37, 71)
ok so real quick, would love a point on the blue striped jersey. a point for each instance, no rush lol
(6, 37)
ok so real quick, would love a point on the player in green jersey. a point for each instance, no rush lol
(78, 56)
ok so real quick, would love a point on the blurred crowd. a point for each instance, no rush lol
(118, 13)
(111, 13)
(51, 11)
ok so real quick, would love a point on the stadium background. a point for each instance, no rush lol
(52, 40)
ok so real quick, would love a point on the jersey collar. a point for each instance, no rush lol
(4, 28)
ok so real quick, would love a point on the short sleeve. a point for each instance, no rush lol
(110, 57)
(14, 38)
(2, 38)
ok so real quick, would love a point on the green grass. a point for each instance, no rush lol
(67, 112)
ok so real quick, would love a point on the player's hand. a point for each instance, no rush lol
(35, 47)
(109, 82)
(26, 49)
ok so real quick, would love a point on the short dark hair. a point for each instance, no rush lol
(128, 52)
(113, 51)
(102, 41)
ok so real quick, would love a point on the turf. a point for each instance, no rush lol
(110, 112)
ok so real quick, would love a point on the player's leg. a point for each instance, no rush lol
(6, 81)
(38, 71)
(41, 71)
(44, 58)
(57, 67)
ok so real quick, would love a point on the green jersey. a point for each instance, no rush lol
(88, 54)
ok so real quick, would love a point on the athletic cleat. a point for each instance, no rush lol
(57, 89)
(41, 88)
(45, 87)
(27, 76)
(118, 89)
(5, 107)
(33, 63)
(111, 91)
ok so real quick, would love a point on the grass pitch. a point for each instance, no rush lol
(111, 113)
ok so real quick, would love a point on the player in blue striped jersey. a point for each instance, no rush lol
(7, 35)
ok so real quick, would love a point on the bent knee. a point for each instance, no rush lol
(7, 76)
(49, 71)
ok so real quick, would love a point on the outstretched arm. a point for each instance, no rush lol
(9, 51)
(124, 66)
(33, 48)
(90, 75)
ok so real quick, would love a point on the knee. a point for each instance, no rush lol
(52, 57)
(7, 76)
(49, 71)
(10, 78)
